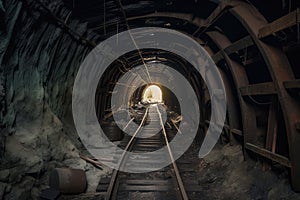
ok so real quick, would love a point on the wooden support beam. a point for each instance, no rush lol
(238, 45)
(268, 154)
(284, 22)
(236, 132)
(222, 7)
(292, 84)
(258, 89)
(217, 57)
(271, 137)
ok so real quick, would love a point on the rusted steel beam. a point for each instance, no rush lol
(284, 22)
(238, 45)
(232, 108)
(280, 70)
(259, 89)
(240, 79)
(232, 103)
(268, 154)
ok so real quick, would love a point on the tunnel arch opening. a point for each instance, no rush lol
(128, 62)
(152, 94)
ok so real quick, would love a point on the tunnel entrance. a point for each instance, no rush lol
(152, 94)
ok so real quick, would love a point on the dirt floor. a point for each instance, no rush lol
(224, 174)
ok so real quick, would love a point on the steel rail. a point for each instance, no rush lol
(178, 177)
(113, 181)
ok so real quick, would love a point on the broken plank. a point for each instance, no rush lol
(268, 154)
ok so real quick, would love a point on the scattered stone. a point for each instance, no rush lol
(4, 175)
(2, 189)
(22, 190)
(8, 188)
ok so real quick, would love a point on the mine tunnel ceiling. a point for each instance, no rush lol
(107, 16)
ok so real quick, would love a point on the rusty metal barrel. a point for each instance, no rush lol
(68, 181)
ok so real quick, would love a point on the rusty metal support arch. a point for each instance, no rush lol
(240, 79)
(280, 70)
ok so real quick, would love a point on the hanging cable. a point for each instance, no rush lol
(133, 40)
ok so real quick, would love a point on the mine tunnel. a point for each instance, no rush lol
(169, 99)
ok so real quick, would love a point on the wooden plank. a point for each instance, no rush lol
(268, 154)
(258, 89)
(272, 126)
(292, 84)
(147, 182)
(271, 137)
(284, 22)
(145, 188)
(238, 45)
(217, 57)
(236, 132)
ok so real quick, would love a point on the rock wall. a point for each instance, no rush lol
(38, 60)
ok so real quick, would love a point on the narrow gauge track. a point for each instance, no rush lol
(165, 183)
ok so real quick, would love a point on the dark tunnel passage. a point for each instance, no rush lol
(254, 46)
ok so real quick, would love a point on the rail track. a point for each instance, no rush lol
(166, 183)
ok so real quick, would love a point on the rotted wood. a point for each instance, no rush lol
(259, 89)
(239, 45)
(295, 84)
(268, 154)
(240, 80)
(234, 47)
(280, 70)
(284, 22)
(271, 137)
(217, 57)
